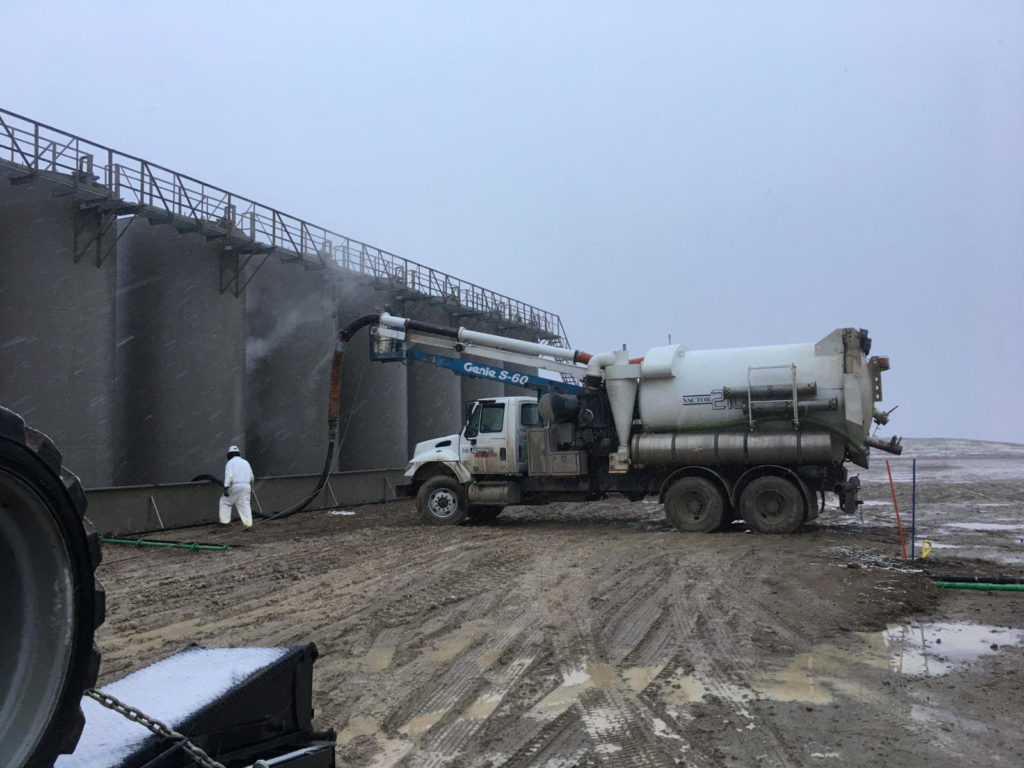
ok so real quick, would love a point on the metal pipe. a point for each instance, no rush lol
(730, 448)
(768, 391)
(478, 337)
(786, 406)
(892, 446)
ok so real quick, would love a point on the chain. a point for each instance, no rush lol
(108, 701)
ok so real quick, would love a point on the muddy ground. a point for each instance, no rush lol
(592, 634)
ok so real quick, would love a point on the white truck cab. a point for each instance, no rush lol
(450, 474)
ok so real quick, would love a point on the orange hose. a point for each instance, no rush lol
(899, 525)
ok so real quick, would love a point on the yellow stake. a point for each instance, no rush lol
(926, 548)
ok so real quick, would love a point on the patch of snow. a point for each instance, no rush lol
(170, 690)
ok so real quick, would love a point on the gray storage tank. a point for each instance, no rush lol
(435, 394)
(373, 429)
(291, 319)
(57, 323)
(180, 356)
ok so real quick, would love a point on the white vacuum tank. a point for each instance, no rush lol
(752, 389)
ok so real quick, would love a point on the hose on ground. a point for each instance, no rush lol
(979, 585)
(977, 579)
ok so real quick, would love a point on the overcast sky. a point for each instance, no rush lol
(731, 174)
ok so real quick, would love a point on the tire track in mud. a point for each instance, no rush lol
(466, 715)
(522, 645)
(721, 676)
(593, 715)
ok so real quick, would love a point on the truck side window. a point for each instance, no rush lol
(530, 416)
(473, 419)
(492, 417)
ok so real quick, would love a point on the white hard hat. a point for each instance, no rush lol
(233, 449)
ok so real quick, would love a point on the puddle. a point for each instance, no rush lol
(984, 526)
(828, 671)
(936, 649)
(451, 646)
(378, 659)
(421, 724)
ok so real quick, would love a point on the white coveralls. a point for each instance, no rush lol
(238, 479)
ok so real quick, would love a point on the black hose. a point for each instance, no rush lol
(333, 407)
(208, 478)
(316, 492)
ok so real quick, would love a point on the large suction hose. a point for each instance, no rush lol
(333, 410)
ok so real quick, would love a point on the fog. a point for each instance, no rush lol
(731, 174)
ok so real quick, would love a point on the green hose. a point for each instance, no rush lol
(975, 585)
(167, 544)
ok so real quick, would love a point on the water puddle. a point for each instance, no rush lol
(421, 724)
(985, 526)
(378, 658)
(451, 646)
(828, 671)
(937, 649)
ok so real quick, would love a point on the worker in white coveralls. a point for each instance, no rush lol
(238, 479)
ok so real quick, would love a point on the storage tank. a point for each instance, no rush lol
(804, 402)
(435, 394)
(180, 356)
(373, 426)
(57, 322)
(291, 319)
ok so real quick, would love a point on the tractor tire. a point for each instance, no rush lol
(772, 504)
(442, 501)
(694, 505)
(52, 602)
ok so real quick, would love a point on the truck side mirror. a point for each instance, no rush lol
(471, 428)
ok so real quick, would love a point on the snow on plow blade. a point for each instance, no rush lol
(238, 705)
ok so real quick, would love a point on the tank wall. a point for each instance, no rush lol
(435, 394)
(57, 326)
(291, 322)
(374, 425)
(180, 357)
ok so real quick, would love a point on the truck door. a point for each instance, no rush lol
(529, 416)
(485, 446)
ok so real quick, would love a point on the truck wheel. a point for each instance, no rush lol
(694, 505)
(484, 514)
(441, 501)
(772, 504)
(52, 602)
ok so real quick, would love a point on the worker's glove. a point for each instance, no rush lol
(226, 492)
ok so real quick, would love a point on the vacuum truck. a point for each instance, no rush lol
(757, 433)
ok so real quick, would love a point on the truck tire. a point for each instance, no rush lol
(52, 601)
(772, 504)
(441, 501)
(694, 505)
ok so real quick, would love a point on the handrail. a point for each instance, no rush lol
(40, 148)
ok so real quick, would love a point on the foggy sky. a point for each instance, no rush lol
(731, 174)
